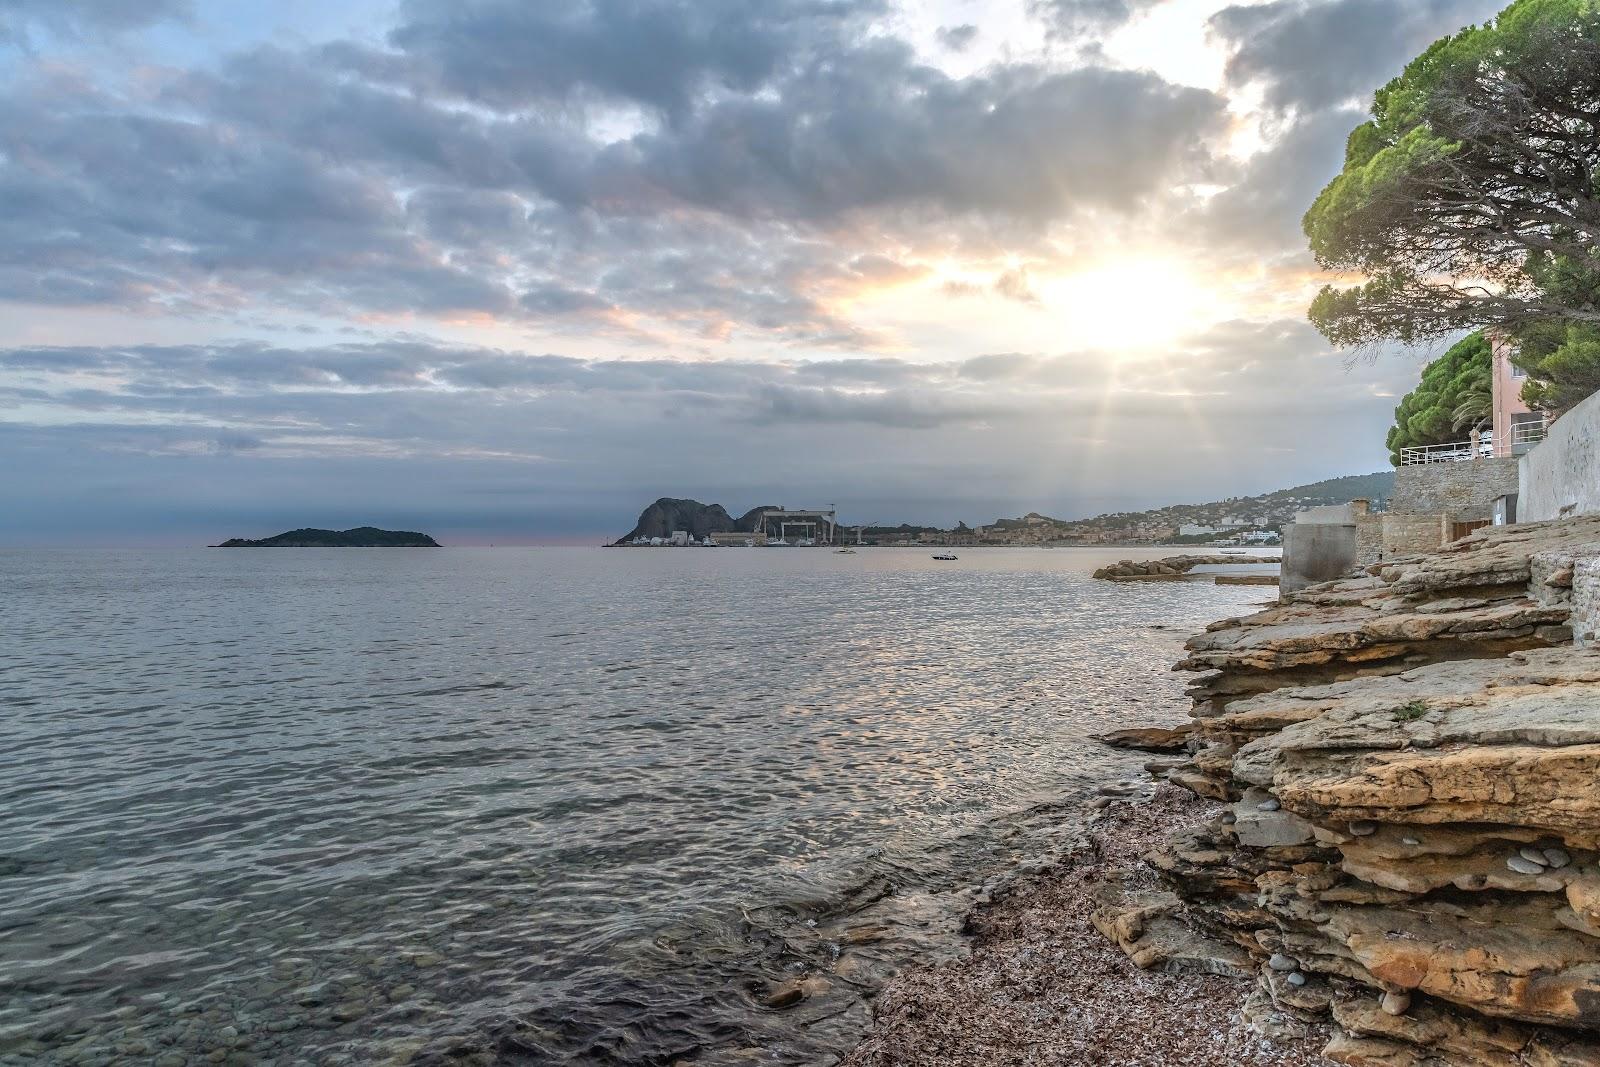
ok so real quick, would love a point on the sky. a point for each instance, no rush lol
(507, 270)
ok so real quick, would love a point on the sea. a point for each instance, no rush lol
(552, 805)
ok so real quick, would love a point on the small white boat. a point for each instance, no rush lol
(946, 556)
(779, 543)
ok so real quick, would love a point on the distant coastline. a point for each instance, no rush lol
(1255, 521)
(359, 537)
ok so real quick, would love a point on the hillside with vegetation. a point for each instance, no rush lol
(1266, 511)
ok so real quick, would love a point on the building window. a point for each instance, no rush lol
(1516, 371)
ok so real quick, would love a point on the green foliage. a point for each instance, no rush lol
(1457, 381)
(1410, 712)
(1563, 365)
(1470, 198)
(1562, 358)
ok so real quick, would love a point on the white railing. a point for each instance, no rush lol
(1454, 452)
(1528, 433)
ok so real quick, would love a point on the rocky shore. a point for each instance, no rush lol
(1389, 854)
(1174, 568)
(1043, 985)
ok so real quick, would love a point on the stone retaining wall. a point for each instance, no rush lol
(1561, 476)
(1464, 490)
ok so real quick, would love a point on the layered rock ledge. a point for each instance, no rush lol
(1174, 567)
(1409, 850)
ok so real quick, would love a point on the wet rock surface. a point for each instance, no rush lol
(1410, 763)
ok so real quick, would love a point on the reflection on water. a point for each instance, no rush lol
(549, 805)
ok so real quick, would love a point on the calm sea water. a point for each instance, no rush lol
(544, 805)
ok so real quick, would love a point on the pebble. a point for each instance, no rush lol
(1557, 857)
(1269, 805)
(1524, 866)
(1412, 841)
(1532, 855)
(786, 995)
(1363, 829)
(1296, 979)
(1395, 1003)
(1280, 962)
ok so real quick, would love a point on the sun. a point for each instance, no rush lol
(1129, 305)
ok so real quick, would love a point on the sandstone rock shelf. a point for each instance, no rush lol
(1175, 567)
(1410, 763)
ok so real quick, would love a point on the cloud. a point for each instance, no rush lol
(334, 179)
(1016, 285)
(1262, 206)
(1077, 18)
(221, 439)
(957, 38)
(19, 19)
(1313, 54)
(875, 132)
(661, 54)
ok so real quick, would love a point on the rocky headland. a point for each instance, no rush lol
(359, 537)
(1389, 853)
(670, 514)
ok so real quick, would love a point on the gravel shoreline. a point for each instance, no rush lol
(1043, 987)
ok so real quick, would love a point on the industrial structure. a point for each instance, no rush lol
(818, 526)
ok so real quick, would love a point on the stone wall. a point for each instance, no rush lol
(1369, 539)
(1405, 534)
(1316, 552)
(1463, 490)
(1562, 475)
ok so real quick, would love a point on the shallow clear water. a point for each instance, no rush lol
(555, 805)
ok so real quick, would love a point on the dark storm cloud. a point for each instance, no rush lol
(1318, 53)
(341, 178)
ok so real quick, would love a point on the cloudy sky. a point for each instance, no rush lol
(506, 270)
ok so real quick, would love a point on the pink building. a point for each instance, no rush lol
(1516, 428)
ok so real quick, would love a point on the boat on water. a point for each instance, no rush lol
(779, 543)
(946, 556)
(844, 551)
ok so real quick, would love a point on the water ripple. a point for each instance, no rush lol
(553, 806)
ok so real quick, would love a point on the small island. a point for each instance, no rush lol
(360, 537)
